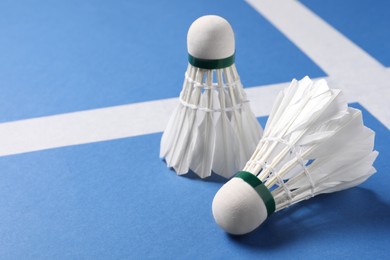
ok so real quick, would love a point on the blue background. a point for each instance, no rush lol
(64, 56)
(116, 199)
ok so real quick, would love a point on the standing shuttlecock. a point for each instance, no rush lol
(213, 127)
(313, 143)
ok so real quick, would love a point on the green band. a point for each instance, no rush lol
(211, 64)
(260, 188)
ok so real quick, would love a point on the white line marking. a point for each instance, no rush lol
(83, 127)
(106, 123)
(349, 67)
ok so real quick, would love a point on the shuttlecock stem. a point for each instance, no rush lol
(265, 149)
(183, 160)
(186, 96)
(231, 75)
(276, 161)
(263, 157)
(223, 106)
(288, 167)
(209, 82)
(221, 90)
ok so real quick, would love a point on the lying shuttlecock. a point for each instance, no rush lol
(213, 127)
(313, 143)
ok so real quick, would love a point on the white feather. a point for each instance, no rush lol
(213, 128)
(313, 143)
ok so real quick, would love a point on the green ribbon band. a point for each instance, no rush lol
(260, 188)
(210, 64)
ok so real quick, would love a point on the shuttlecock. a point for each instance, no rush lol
(313, 143)
(213, 127)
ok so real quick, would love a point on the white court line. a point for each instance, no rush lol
(106, 123)
(350, 68)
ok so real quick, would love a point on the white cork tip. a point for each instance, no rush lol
(210, 37)
(238, 208)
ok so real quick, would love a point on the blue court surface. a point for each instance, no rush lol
(86, 88)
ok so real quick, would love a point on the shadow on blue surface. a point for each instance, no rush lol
(330, 213)
(193, 176)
